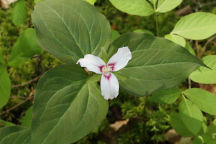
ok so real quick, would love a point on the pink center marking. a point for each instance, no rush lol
(112, 66)
(108, 76)
(101, 68)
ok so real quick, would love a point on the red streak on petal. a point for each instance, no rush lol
(108, 76)
(112, 65)
(101, 68)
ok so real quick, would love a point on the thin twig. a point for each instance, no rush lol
(28, 82)
(197, 48)
(30, 97)
(156, 24)
(207, 4)
(206, 44)
(197, 4)
(189, 83)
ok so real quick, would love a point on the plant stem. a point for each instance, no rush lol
(206, 44)
(197, 48)
(189, 83)
(156, 19)
(30, 97)
(28, 82)
(156, 24)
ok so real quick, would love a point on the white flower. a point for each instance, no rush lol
(109, 82)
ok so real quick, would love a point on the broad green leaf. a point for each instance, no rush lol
(37, 1)
(191, 116)
(176, 39)
(204, 126)
(156, 63)
(167, 5)
(198, 140)
(190, 49)
(134, 7)
(19, 14)
(27, 119)
(196, 26)
(70, 29)
(115, 34)
(5, 86)
(6, 123)
(91, 1)
(210, 136)
(25, 47)
(154, 3)
(14, 135)
(8, 130)
(68, 104)
(206, 75)
(166, 96)
(177, 123)
(2, 61)
(203, 99)
(143, 31)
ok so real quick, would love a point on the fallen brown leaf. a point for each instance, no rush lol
(6, 3)
(118, 124)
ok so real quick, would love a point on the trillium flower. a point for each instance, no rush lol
(109, 82)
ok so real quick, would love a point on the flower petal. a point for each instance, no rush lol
(92, 63)
(120, 59)
(109, 86)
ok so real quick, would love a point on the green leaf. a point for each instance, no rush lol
(156, 63)
(191, 116)
(37, 1)
(27, 119)
(198, 140)
(70, 29)
(143, 31)
(167, 5)
(19, 14)
(176, 39)
(203, 99)
(167, 96)
(5, 86)
(2, 61)
(14, 135)
(210, 137)
(6, 123)
(137, 7)
(25, 47)
(206, 75)
(68, 104)
(177, 123)
(196, 26)
(154, 3)
(115, 34)
(91, 1)
(190, 49)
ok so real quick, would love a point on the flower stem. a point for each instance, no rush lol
(189, 83)
(156, 24)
